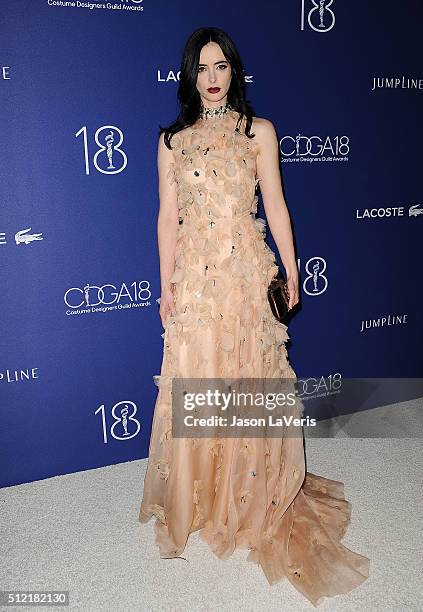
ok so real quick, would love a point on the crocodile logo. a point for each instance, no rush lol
(23, 237)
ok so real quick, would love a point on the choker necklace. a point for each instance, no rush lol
(214, 112)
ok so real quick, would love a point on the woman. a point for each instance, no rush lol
(215, 268)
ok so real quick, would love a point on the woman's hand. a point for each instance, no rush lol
(167, 304)
(292, 282)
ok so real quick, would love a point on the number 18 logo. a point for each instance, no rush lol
(320, 17)
(109, 157)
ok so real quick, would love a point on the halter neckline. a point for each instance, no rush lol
(210, 112)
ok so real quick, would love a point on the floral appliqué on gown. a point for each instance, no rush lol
(249, 493)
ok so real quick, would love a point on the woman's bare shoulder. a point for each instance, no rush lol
(264, 131)
(263, 127)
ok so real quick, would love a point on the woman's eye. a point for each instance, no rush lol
(221, 66)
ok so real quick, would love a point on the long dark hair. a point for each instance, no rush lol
(188, 96)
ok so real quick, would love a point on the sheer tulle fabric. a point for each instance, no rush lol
(251, 493)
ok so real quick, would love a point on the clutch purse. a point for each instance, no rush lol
(278, 296)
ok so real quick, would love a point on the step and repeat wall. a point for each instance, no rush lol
(84, 87)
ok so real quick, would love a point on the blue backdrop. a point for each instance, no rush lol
(84, 87)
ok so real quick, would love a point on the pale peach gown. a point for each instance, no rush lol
(254, 492)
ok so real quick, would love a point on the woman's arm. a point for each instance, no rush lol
(274, 203)
(168, 214)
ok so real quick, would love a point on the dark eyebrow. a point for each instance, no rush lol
(221, 62)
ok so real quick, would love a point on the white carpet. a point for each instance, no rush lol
(80, 533)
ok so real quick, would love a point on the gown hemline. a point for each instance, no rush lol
(262, 555)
